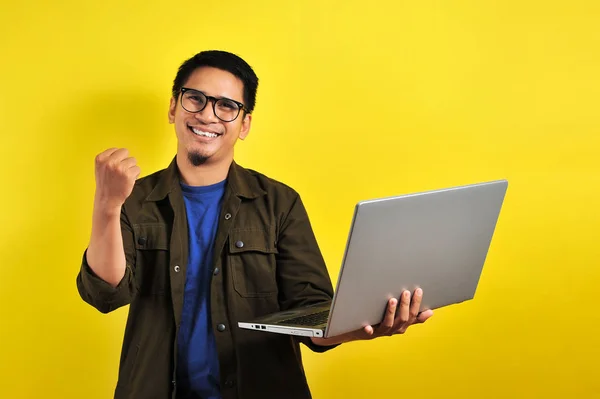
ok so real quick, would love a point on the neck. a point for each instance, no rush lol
(203, 175)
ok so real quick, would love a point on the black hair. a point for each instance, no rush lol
(225, 61)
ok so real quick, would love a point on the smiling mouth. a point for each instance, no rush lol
(203, 133)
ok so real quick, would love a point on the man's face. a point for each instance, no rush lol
(201, 136)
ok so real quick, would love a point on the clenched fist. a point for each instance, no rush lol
(116, 173)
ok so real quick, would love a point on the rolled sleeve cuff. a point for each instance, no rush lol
(101, 294)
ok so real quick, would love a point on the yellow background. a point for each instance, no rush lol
(357, 99)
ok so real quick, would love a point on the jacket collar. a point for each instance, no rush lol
(239, 180)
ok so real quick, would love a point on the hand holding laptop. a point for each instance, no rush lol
(397, 319)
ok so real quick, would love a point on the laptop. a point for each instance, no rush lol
(437, 240)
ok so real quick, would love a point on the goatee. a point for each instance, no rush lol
(196, 159)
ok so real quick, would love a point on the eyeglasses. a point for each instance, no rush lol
(225, 109)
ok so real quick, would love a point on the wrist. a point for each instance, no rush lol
(105, 207)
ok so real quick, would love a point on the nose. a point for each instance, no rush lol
(207, 115)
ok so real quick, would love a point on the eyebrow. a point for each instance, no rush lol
(217, 97)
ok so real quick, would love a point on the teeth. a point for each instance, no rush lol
(204, 134)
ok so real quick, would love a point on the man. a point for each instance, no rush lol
(202, 244)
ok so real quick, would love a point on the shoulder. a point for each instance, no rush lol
(270, 198)
(148, 182)
(265, 184)
(144, 186)
(152, 187)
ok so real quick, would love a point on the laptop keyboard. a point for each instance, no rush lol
(308, 320)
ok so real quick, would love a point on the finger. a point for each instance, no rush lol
(105, 154)
(119, 155)
(404, 313)
(415, 305)
(424, 315)
(128, 162)
(369, 330)
(390, 314)
(108, 152)
(135, 171)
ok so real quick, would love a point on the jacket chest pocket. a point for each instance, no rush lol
(253, 262)
(152, 258)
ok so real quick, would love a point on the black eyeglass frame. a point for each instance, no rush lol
(241, 106)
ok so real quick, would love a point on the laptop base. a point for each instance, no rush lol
(283, 322)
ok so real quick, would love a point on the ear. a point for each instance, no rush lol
(245, 126)
(172, 106)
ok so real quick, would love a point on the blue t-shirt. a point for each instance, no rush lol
(197, 361)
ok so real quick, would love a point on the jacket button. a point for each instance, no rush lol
(142, 240)
(216, 271)
(229, 383)
(228, 216)
(221, 327)
(176, 268)
(239, 244)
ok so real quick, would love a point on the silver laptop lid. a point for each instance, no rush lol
(437, 240)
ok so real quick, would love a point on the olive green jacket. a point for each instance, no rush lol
(266, 259)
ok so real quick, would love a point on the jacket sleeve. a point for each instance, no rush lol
(302, 275)
(100, 294)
